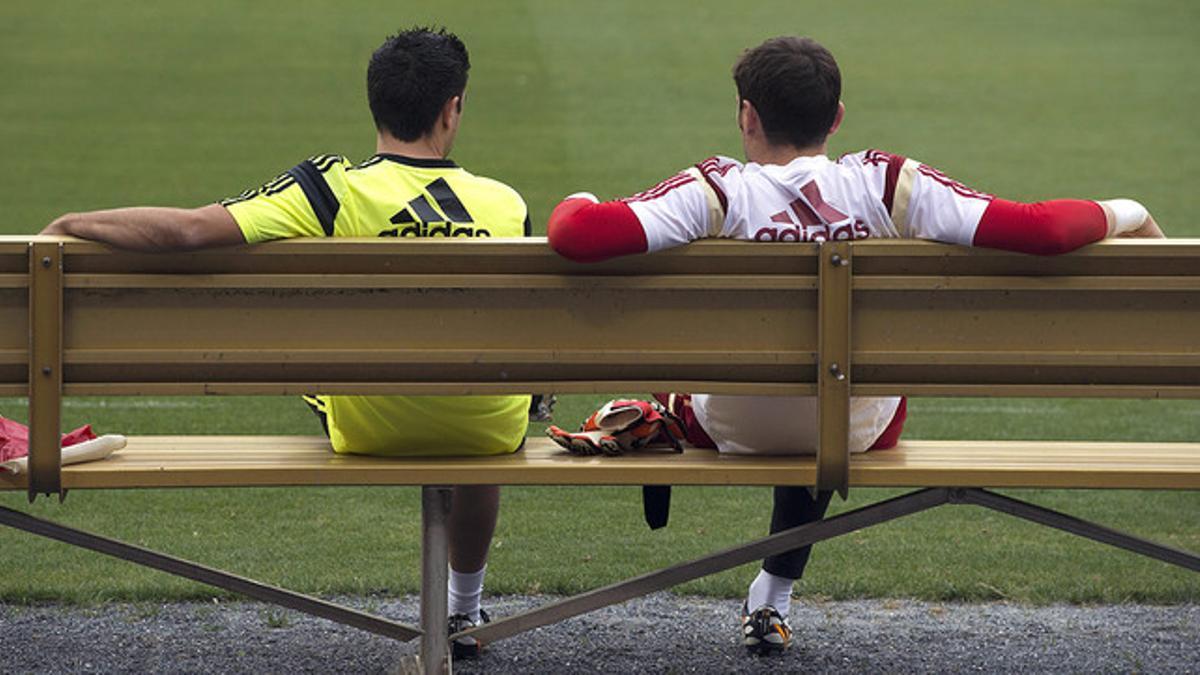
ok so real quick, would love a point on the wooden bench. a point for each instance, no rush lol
(1120, 319)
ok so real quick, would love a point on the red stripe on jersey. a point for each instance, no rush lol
(958, 188)
(584, 231)
(1043, 228)
(657, 191)
(875, 157)
(714, 165)
(661, 189)
(651, 190)
(891, 176)
(709, 167)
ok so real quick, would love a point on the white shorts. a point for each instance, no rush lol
(784, 425)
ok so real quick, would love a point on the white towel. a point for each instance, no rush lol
(87, 451)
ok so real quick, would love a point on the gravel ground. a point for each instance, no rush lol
(661, 633)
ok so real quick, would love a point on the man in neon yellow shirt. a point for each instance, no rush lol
(415, 85)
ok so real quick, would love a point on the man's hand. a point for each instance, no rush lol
(1127, 218)
(59, 226)
(1148, 229)
(152, 228)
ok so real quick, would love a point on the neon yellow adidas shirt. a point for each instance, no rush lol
(395, 196)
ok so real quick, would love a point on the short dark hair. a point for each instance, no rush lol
(795, 85)
(410, 78)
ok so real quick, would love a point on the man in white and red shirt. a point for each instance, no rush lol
(789, 93)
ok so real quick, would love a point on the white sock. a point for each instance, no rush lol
(768, 589)
(464, 592)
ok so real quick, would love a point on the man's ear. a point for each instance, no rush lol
(748, 120)
(837, 119)
(452, 111)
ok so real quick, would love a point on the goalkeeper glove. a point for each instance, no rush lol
(621, 426)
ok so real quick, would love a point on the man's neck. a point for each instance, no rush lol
(425, 147)
(781, 154)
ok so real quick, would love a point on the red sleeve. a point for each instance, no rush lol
(1043, 228)
(584, 231)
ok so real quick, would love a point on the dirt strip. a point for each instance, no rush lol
(659, 634)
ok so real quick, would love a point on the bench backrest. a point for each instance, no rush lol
(448, 317)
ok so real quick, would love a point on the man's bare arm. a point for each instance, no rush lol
(153, 228)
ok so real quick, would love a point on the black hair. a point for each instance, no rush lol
(795, 85)
(410, 78)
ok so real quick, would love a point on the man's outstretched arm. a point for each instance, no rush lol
(1062, 225)
(153, 228)
(585, 230)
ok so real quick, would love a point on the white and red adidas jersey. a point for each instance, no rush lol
(865, 194)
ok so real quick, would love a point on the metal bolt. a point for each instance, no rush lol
(46, 261)
(46, 370)
(838, 261)
(836, 371)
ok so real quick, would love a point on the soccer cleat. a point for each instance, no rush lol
(465, 647)
(765, 631)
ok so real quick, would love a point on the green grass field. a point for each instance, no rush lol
(109, 104)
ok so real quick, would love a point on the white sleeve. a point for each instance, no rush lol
(680, 209)
(928, 204)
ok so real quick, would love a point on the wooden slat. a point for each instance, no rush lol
(902, 283)
(1015, 357)
(215, 461)
(1120, 257)
(468, 388)
(430, 256)
(452, 281)
(565, 354)
(541, 322)
(912, 388)
(1026, 321)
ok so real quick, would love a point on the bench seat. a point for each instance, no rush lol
(222, 461)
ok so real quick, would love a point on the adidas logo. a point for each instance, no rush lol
(422, 219)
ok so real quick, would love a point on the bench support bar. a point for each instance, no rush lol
(1062, 521)
(435, 513)
(210, 576)
(797, 537)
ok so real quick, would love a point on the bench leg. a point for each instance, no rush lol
(207, 575)
(1083, 528)
(435, 513)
